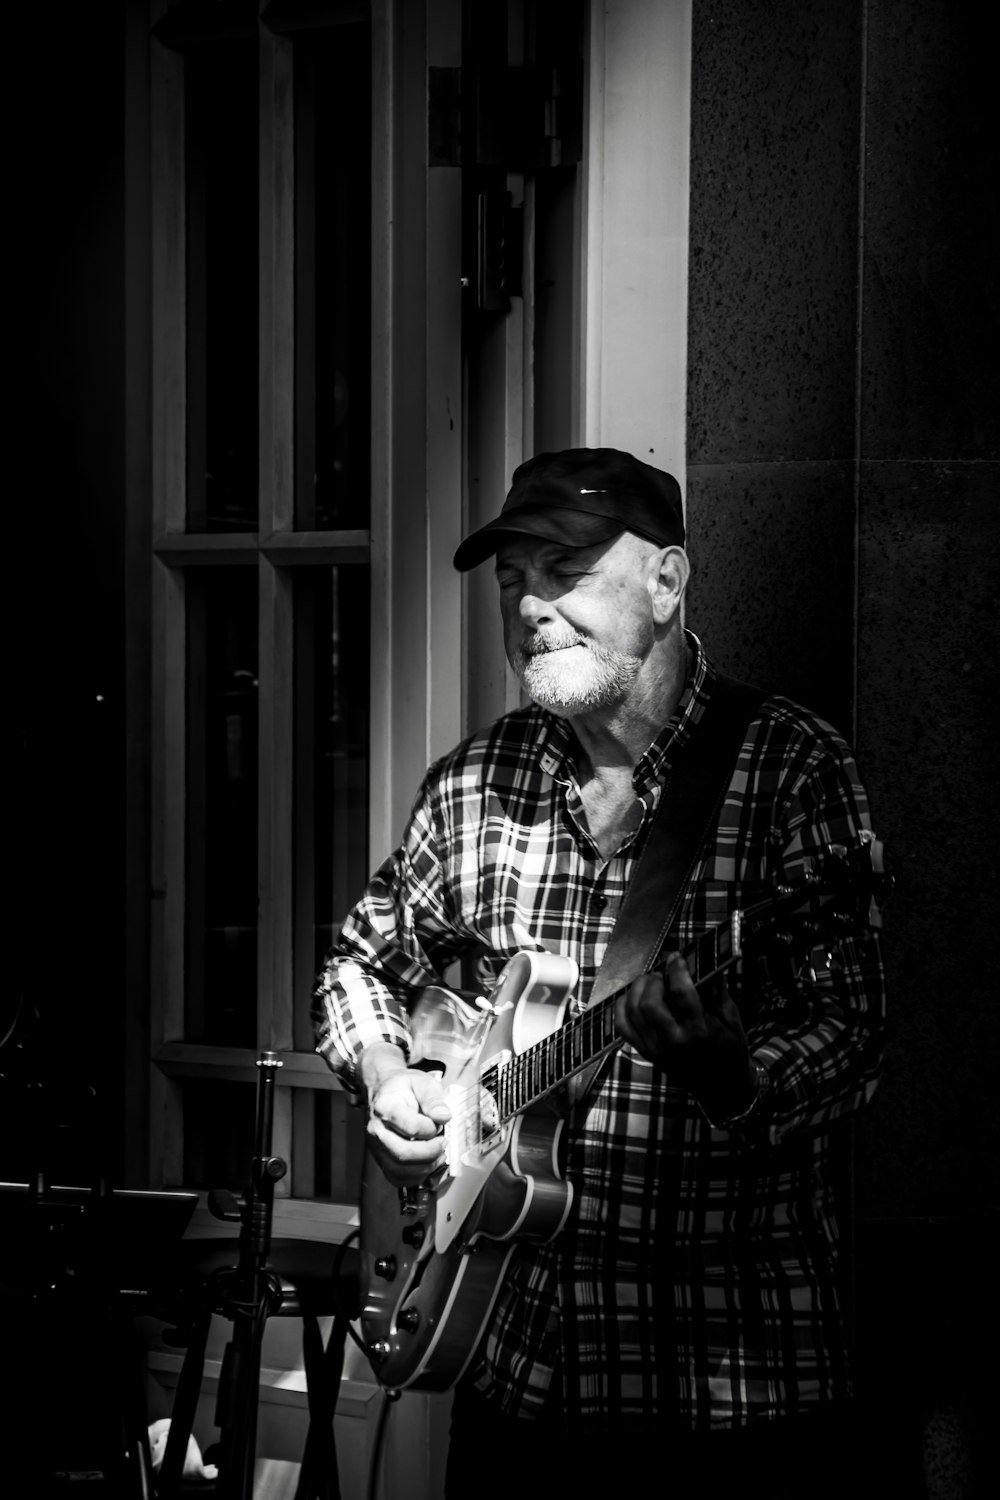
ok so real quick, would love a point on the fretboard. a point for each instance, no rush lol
(521, 1081)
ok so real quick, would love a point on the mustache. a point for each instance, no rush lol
(541, 645)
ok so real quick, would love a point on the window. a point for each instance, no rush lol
(333, 400)
(261, 340)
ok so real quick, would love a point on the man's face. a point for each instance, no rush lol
(578, 621)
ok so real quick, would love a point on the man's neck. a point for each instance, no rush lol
(614, 740)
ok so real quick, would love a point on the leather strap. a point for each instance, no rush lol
(688, 809)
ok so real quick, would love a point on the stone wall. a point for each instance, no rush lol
(843, 443)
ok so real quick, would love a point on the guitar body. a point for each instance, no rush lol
(433, 1259)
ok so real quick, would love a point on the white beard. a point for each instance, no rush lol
(570, 675)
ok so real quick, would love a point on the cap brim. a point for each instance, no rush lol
(570, 528)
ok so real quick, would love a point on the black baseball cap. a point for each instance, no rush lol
(580, 497)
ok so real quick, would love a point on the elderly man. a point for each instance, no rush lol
(688, 1312)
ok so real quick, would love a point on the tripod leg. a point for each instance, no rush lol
(231, 1413)
(320, 1477)
(184, 1407)
(239, 1391)
(135, 1418)
(316, 1475)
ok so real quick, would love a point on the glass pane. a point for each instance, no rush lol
(219, 1126)
(333, 277)
(222, 294)
(221, 914)
(331, 762)
(339, 1147)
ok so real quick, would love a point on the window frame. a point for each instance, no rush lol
(275, 550)
(416, 597)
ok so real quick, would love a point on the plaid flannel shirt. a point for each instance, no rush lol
(696, 1281)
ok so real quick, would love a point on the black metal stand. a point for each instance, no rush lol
(248, 1294)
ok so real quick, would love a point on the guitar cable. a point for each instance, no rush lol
(338, 1262)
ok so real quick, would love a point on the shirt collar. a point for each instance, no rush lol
(556, 744)
(653, 765)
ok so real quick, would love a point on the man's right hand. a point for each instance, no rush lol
(406, 1113)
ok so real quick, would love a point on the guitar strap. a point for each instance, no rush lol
(689, 806)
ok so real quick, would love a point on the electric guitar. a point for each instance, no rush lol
(433, 1258)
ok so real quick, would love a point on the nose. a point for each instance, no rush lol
(534, 610)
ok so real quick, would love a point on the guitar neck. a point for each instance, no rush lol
(521, 1081)
(839, 893)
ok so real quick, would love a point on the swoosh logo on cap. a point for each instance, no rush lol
(593, 492)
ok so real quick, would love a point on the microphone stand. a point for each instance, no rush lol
(249, 1294)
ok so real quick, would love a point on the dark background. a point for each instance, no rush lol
(66, 198)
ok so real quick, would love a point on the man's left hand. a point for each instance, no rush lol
(696, 1037)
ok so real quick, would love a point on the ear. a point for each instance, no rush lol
(666, 579)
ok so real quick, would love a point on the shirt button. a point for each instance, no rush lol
(600, 902)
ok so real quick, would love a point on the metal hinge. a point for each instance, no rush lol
(500, 229)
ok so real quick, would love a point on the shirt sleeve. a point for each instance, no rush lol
(398, 939)
(821, 1040)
